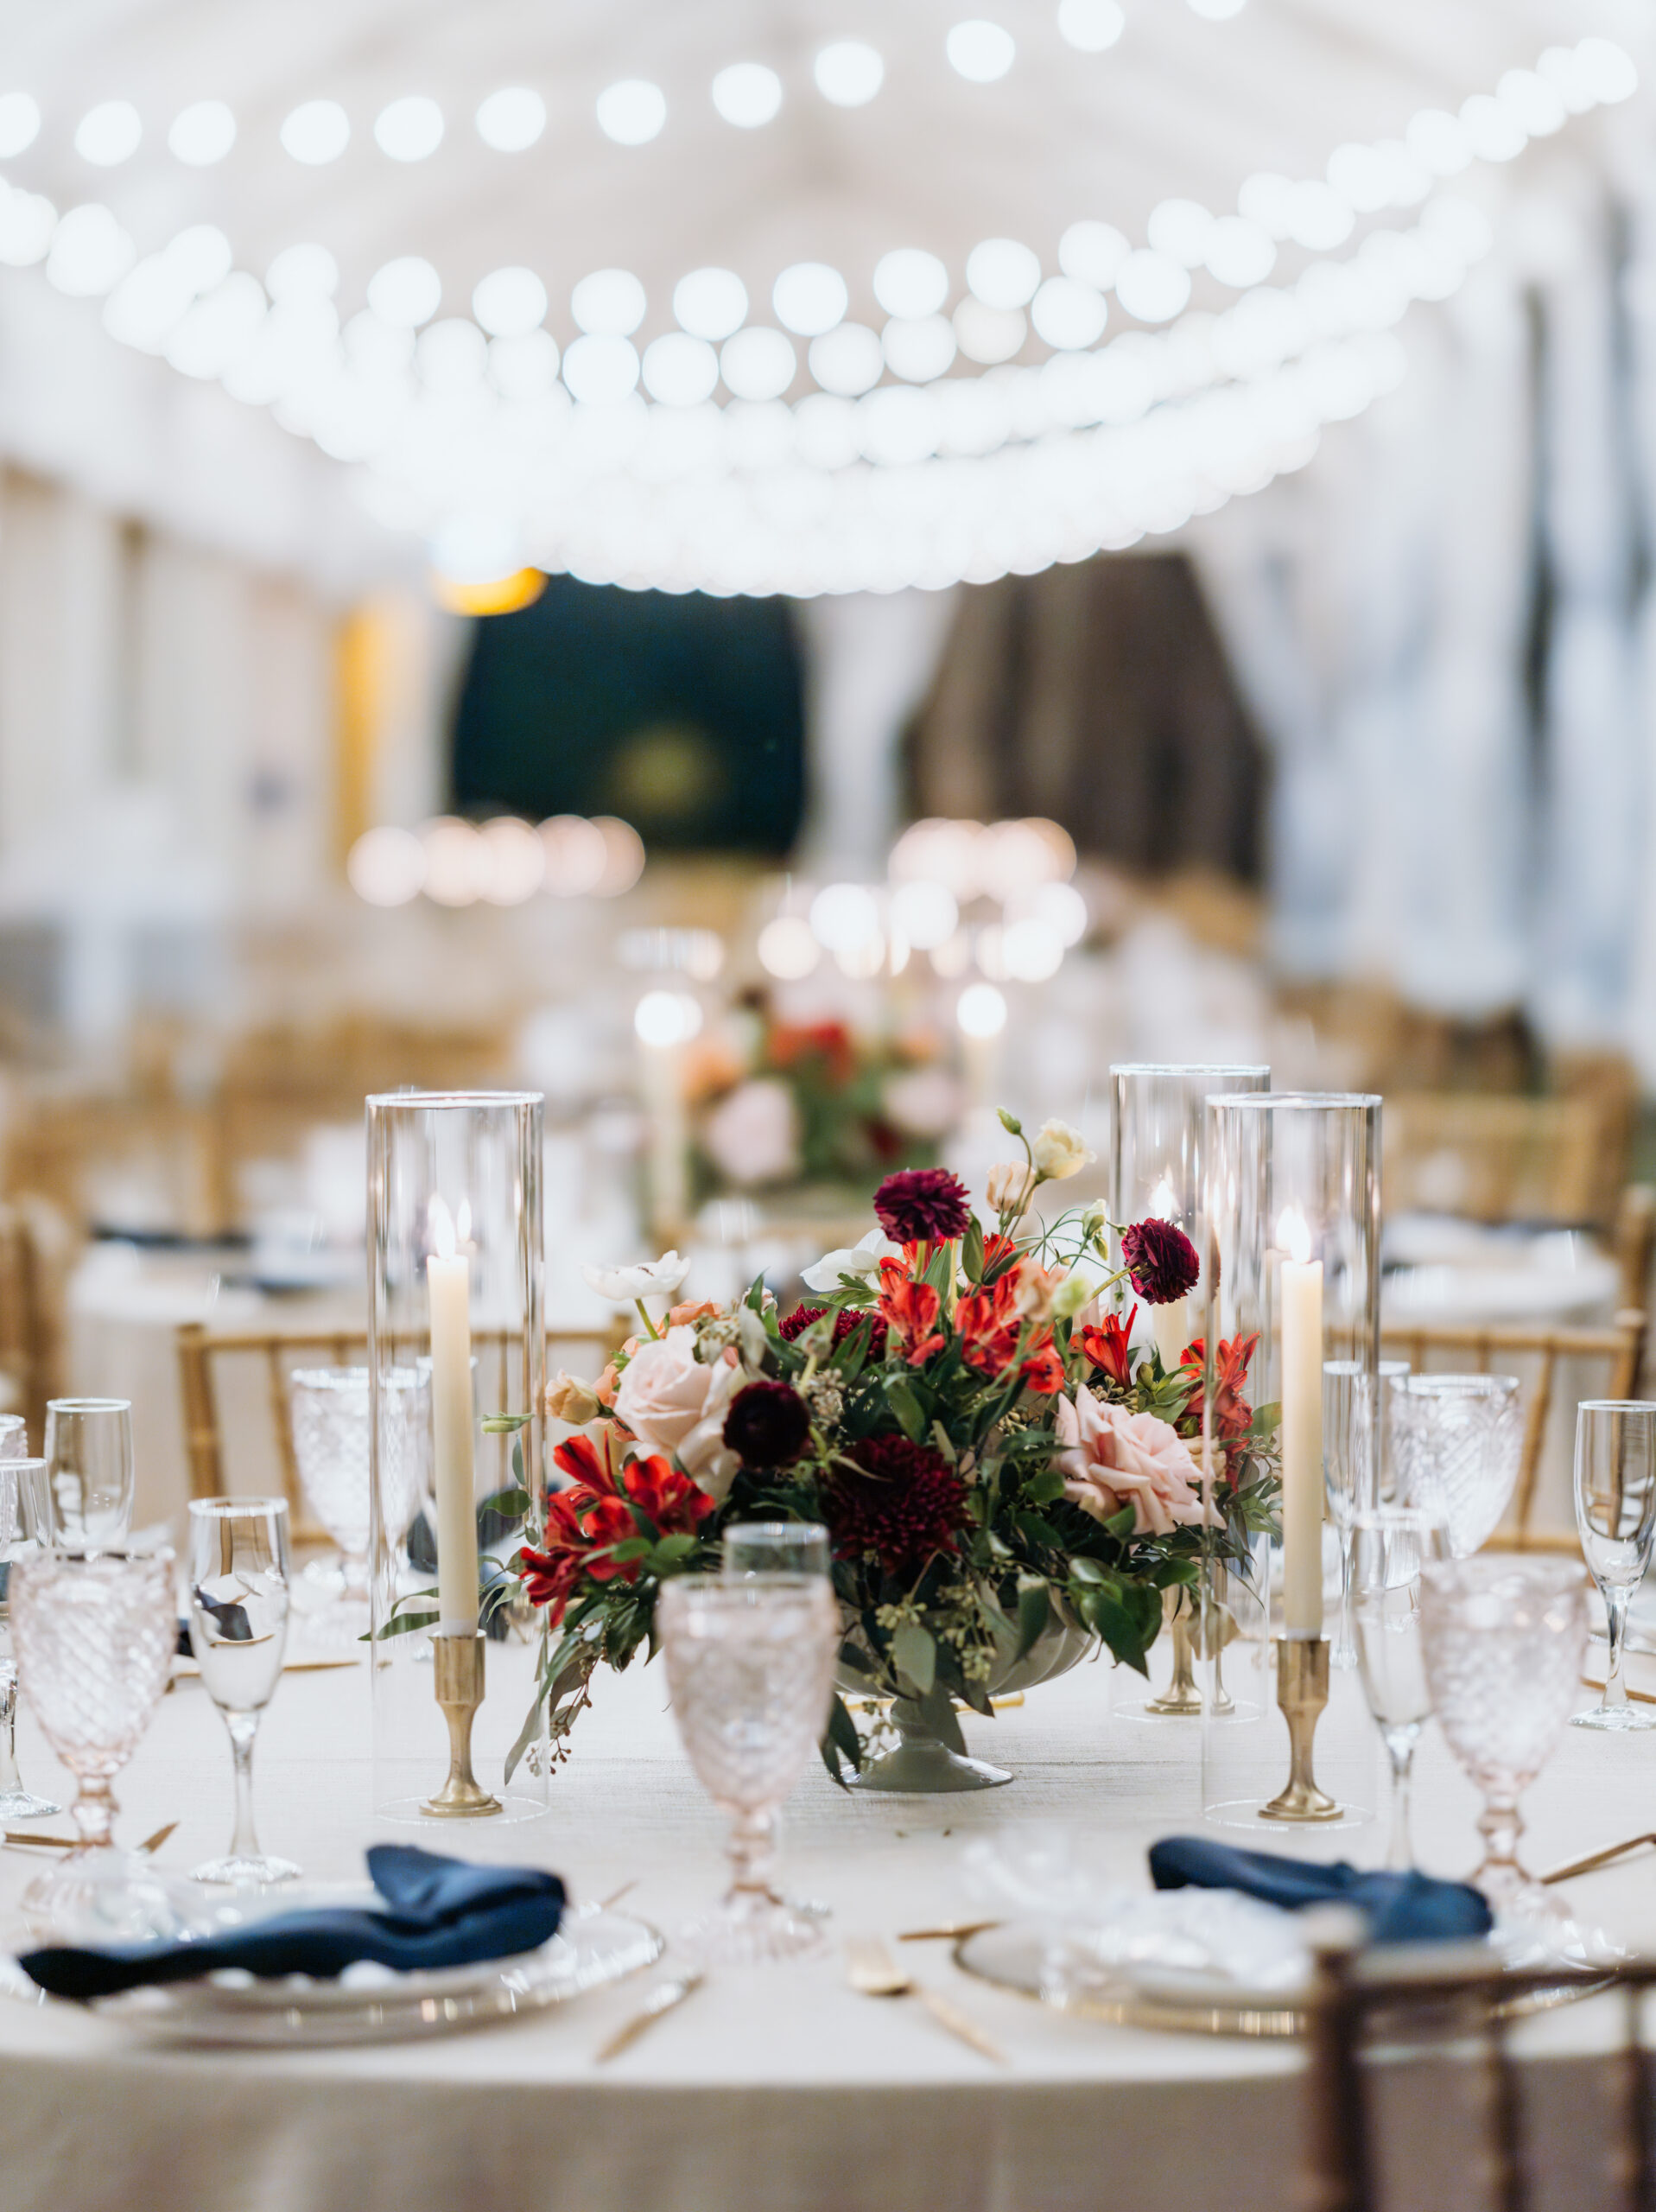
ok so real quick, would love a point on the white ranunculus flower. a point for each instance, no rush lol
(648, 1279)
(862, 1260)
(1059, 1151)
(753, 1136)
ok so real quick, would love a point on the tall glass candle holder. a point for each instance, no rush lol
(1291, 1265)
(456, 1285)
(1158, 1129)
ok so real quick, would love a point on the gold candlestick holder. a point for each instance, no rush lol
(457, 1665)
(1302, 1692)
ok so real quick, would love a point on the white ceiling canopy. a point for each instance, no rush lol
(780, 295)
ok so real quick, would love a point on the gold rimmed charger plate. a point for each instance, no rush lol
(594, 1948)
(1009, 1954)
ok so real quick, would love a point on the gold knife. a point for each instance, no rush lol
(664, 1998)
(150, 1844)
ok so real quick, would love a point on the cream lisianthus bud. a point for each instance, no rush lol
(569, 1399)
(1075, 1291)
(1012, 1185)
(1059, 1152)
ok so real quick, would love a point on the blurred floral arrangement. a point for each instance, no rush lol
(961, 1410)
(776, 1102)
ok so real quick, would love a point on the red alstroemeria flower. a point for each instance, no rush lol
(1232, 1415)
(911, 1310)
(586, 1522)
(991, 1327)
(1107, 1346)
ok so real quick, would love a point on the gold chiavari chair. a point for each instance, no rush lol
(1535, 1355)
(280, 1351)
(1417, 2096)
(1488, 1157)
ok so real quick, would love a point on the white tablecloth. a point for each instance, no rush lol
(773, 2091)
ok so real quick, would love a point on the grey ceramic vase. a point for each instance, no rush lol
(921, 1764)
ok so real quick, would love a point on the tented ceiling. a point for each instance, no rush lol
(984, 467)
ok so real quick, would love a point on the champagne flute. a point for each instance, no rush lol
(25, 1527)
(1389, 1545)
(88, 1447)
(1615, 1518)
(239, 1578)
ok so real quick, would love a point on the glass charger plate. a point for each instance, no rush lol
(592, 1949)
(1011, 1953)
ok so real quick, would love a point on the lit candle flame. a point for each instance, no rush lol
(439, 1229)
(1292, 1235)
(1163, 1204)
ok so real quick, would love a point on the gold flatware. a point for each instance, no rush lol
(1597, 1859)
(947, 1931)
(150, 1844)
(872, 1972)
(608, 1904)
(665, 1998)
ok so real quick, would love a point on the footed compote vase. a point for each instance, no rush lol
(930, 1757)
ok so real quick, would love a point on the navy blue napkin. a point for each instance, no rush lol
(1401, 1908)
(443, 1912)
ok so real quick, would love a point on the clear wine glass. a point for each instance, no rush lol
(96, 1632)
(777, 1547)
(1503, 1639)
(332, 1418)
(750, 1665)
(1387, 1372)
(1350, 1474)
(25, 1526)
(1458, 1441)
(239, 1581)
(1615, 1518)
(1389, 1546)
(88, 1447)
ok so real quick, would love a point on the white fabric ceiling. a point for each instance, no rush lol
(1181, 106)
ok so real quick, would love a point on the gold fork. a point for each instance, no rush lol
(150, 1844)
(872, 1972)
(1597, 1859)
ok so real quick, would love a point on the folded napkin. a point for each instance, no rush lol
(1401, 1908)
(443, 1912)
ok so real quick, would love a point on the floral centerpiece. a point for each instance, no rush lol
(777, 1103)
(961, 1407)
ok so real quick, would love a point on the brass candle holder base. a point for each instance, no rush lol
(1181, 1698)
(1302, 1692)
(456, 1663)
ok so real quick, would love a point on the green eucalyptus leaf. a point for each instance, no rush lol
(915, 1655)
(1034, 1606)
(910, 1417)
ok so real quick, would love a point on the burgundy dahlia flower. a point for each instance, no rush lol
(847, 1322)
(902, 1502)
(1161, 1260)
(767, 1424)
(922, 1205)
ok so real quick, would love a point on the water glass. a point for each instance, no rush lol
(1458, 1439)
(750, 1665)
(777, 1547)
(1389, 1546)
(332, 1417)
(95, 1633)
(1615, 1518)
(89, 1449)
(25, 1526)
(1503, 1639)
(239, 1579)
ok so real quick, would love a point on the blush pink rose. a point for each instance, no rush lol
(1113, 1458)
(672, 1403)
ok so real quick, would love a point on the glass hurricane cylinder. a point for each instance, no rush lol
(456, 1285)
(1157, 1126)
(1291, 1266)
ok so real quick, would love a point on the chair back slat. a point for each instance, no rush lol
(200, 1348)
